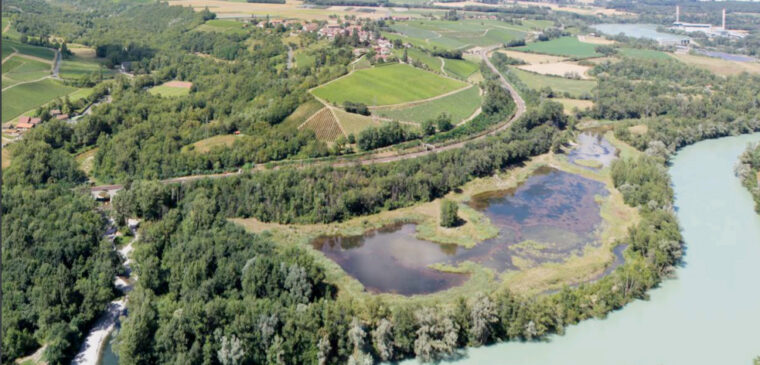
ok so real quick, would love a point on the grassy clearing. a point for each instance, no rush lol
(576, 88)
(717, 65)
(413, 53)
(324, 125)
(460, 106)
(86, 160)
(207, 144)
(354, 123)
(22, 98)
(169, 91)
(222, 26)
(361, 64)
(565, 46)
(595, 40)
(532, 58)
(639, 129)
(640, 53)
(18, 68)
(561, 69)
(461, 69)
(392, 84)
(303, 60)
(303, 112)
(460, 34)
(571, 104)
(77, 67)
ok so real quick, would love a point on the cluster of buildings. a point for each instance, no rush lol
(26, 123)
(708, 29)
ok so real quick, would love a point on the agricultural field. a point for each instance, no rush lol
(25, 49)
(24, 97)
(457, 35)
(392, 84)
(301, 114)
(461, 69)
(18, 69)
(647, 54)
(324, 125)
(460, 106)
(414, 53)
(222, 26)
(532, 58)
(207, 144)
(292, 9)
(575, 88)
(77, 67)
(565, 46)
(717, 65)
(561, 69)
(172, 89)
(353, 123)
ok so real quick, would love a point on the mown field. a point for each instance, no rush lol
(717, 65)
(413, 53)
(565, 46)
(353, 123)
(460, 106)
(41, 52)
(392, 84)
(18, 68)
(301, 114)
(535, 81)
(22, 98)
(207, 144)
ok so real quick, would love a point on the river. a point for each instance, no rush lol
(709, 314)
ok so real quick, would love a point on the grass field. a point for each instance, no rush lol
(460, 106)
(205, 145)
(717, 65)
(385, 85)
(647, 54)
(558, 84)
(25, 97)
(460, 68)
(324, 125)
(292, 9)
(353, 123)
(222, 26)
(303, 60)
(570, 104)
(532, 58)
(561, 69)
(169, 91)
(77, 67)
(565, 46)
(86, 160)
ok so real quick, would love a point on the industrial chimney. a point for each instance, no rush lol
(678, 14)
(724, 18)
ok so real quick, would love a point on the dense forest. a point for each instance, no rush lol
(748, 171)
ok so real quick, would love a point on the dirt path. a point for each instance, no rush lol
(443, 65)
(15, 52)
(7, 27)
(26, 82)
(374, 158)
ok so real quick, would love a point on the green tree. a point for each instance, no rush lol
(449, 210)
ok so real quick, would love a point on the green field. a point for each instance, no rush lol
(456, 34)
(301, 114)
(22, 98)
(392, 84)
(460, 68)
(559, 84)
(222, 26)
(42, 52)
(353, 123)
(413, 53)
(647, 54)
(169, 91)
(77, 67)
(19, 69)
(565, 46)
(460, 106)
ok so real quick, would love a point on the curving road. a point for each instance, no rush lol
(373, 159)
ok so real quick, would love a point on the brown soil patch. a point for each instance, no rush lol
(181, 84)
(558, 69)
(719, 66)
(533, 58)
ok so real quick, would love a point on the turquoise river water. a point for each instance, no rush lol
(709, 314)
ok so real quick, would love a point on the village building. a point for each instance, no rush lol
(24, 126)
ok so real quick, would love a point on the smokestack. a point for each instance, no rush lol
(724, 18)
(678, 13)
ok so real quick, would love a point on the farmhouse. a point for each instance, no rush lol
(24, 119)
(24, 126)
(62, 116)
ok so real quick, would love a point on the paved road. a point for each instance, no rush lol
(373, 159)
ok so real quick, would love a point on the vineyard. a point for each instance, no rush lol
(324, 125)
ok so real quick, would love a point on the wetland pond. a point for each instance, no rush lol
(550, 217)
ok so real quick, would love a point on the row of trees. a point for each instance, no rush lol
(748, 170)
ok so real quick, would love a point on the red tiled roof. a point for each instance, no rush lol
(24, 125)
(35, 121)
(62, 116)
(24, 119)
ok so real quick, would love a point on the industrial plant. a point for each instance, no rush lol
(709, 29)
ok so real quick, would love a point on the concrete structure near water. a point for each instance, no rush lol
(708, 29)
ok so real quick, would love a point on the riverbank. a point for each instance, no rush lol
(707, 315)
